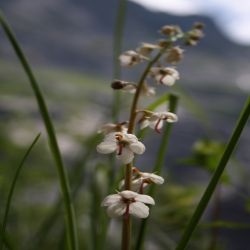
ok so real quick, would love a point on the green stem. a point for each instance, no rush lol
(215, 179)
(173, 102)
(12, 188)
(64, 182)
(77, 176)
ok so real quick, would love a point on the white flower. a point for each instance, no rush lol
(155, 120)
(142, 179)
(166, 76)
(128, 202)
(129, 87)
(147, 90)
(125, 145)
(130, 58)
(146, 48)
(113, 127)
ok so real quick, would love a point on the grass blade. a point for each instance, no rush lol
(215, 179)
(173, 101)
(64, 182)
(12, 188)
(161, 100)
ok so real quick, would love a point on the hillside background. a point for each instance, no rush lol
(70, 45)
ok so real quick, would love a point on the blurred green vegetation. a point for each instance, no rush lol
(79, 104)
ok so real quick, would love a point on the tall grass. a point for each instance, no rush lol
(70, 220)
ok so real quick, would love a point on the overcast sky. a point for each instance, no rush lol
(232, 16)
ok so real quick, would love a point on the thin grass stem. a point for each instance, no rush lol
(70, 220)
(12, 188)
(215, 178)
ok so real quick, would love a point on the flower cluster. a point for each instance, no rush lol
(119, 137)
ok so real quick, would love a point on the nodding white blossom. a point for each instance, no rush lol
(125, 86)
(146, 48)
(131, 87)
(155, 120)
(166, 76)
(128, 202)
(113, 127)
(171, 30)
(125, 145)
(194, 36)
(130, 58)
(147, 90)
(174, 55)
(142, 179)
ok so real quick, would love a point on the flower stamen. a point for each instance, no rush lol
(157, 129)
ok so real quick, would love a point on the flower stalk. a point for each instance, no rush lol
(126, 229)
(122, 141)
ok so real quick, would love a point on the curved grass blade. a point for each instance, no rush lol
(77, 178)
(173, 101)
(161, 100)
(6, 241)
(216, 177)
(12, 188)
(64, 182)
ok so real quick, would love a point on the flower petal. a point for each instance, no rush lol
(153, 177)
(171, 117)
(128, 194)
(139, 210)
(145, 199)
(130, 138)
(125, 60)
(111, 199)
(156, 125)
(145, 123)
(106, 147)
(137, 147)
(168, 80)
(126, 156)
(117, 209)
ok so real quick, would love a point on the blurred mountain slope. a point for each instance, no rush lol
(78, 34)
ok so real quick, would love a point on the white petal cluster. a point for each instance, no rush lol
(166, 76)
(113, 127)
(142, 179)
(155, 120)
(128, 202)
(130, 58)
(146, 48)
(147, 90)
(125, 145)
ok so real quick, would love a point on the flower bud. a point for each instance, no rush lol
(122, 85)
(130, 58)
(199, 26)
(174, 55)
(170, 30)
(146, 48)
